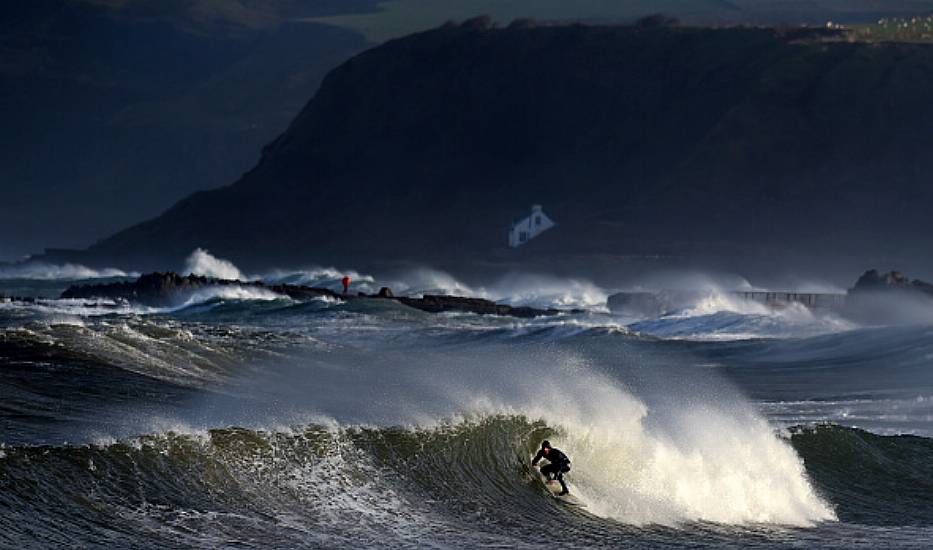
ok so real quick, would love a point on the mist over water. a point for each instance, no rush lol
(240, 414)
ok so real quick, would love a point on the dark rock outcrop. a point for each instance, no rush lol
(385, 292)
(167, 289)
(874, 281)
(440, 303)
(889, 299)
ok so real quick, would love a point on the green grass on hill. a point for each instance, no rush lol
(896, 29)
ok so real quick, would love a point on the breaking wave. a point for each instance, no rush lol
(717, 315)
(213, 295)
(322, 277)
(336, 485)
(201, 262)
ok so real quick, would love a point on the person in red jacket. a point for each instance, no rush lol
(346, 283)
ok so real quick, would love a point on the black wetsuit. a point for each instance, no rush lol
(559, 465)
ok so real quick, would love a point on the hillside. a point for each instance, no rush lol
(111, 116)
(740, 144)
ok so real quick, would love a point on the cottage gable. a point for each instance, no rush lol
(530, 227)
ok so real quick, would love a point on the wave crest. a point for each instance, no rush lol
(41, 271)
(201, 262)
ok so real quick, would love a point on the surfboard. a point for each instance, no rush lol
(553, 486)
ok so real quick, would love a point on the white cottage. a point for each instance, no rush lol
(528, 228)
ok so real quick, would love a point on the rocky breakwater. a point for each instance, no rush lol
(168, 289)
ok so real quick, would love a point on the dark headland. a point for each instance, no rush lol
(740, 145)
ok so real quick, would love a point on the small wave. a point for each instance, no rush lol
(880, 480)
(229, 292)
(41, 271)
(76, 308)
(341, 484)
(159, 350)
(313, 485)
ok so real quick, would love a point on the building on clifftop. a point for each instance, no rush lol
(530, 227)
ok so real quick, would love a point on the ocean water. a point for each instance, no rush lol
(244, 419)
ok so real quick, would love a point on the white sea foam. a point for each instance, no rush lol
(201, 262)
(424, 280)
(709, 465)
(715, 300)
(71, 311)
(326, 277)
(548, 291)
(230, 292)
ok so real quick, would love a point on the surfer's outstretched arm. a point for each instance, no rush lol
(537, 458)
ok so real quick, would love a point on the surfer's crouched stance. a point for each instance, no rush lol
(558, 465)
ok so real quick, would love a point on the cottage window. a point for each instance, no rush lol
(537, 220)
(522, 236)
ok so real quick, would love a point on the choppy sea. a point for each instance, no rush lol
(244, 419)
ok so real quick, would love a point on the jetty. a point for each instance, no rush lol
(872, 285)
(783, 299)
(663, 301)
(169, 289)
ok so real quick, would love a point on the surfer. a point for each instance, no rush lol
(558, 464)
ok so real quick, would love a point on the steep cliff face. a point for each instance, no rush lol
(683, 141)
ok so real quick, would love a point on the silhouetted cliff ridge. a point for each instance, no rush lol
(668, 140)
